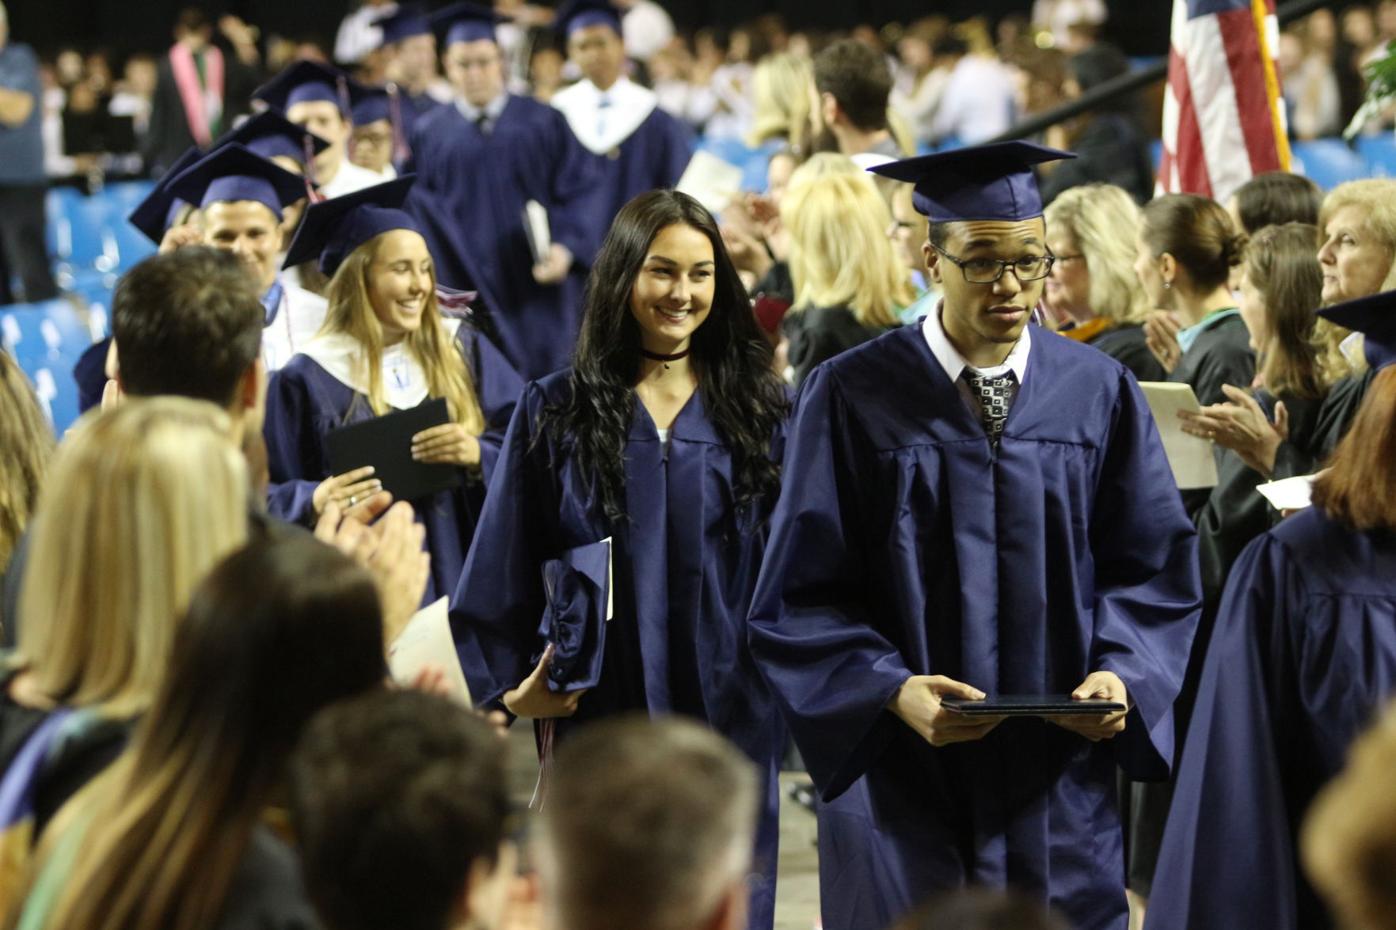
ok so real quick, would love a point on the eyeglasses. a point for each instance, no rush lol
(989, 270)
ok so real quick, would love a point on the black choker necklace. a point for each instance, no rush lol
(666, 359)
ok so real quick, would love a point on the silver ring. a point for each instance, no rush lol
(352, 499)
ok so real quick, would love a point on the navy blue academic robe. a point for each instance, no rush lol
(903, 546)
(305, 403)
(1302, 657)
(653, 156)
(469, 198)
(684, 566)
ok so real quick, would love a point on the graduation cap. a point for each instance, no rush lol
(233, 172)
(979, 182)
(155, 214)
(467, 22)
(1375, 318)
(575, 616)
(369, 104)
(334, 228)
(305, 82)
(404, 23)
(579, 14)
(269, 134)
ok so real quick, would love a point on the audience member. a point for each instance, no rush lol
(781, 99)
(401, 813)
(1108, 142)
(672, 380)
(1185, 252)
(849, 285)
(1303, 655)
(386, 346)
(1349, 837)
(198, 92)
(22, 175)
(645, 27)
(26, 443)
(175, 833)
(648, 826)
(1093, 291)
(359, 33)
(977, 102)
(854, 85)
(140, 504)
(1273, 199)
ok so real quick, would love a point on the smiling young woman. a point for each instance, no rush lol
(385, 346)
(663, 439)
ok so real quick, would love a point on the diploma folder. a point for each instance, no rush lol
(1192, 458)
(1032, 705)
(386, 443)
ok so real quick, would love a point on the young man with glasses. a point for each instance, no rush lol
(975, 507)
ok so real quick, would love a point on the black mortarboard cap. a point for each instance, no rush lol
(155, 214)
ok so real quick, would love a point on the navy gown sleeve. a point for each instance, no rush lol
(831, 670)
(574, 178)
(1227, 858)
(498, 386)
(1147, 591)
(499, 600)
(293, 456)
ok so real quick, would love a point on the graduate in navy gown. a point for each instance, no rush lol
(636, 145)
(410, 43)
(385, 346)
(1302, 658)
(664, 438)
(479, 162)
(153, 217)
(975, 506)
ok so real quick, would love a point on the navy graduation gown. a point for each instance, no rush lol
(469, 198)
(684, 566)
(305, 403)
(904, 546)
(1302, 657)
(654, 156)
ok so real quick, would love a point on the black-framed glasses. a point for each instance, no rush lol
(989, 270)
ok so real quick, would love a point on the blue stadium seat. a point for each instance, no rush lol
(1329, 162)
(47, 340)
(1380, 154)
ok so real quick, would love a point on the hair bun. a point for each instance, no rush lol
(1233, 248)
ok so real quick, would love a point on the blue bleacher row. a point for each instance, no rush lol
(92, 244)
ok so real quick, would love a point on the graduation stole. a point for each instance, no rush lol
(1085, 332)
(202, 98)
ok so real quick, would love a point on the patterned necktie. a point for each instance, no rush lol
(482, 123)
(995, 396)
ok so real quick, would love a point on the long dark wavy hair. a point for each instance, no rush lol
(741, 393)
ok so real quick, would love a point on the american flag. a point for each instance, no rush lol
(1223, 116)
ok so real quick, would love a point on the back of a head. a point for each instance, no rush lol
(187, 323)
(780, 85)
(141, 501)
(395, 796)
(648, 826)
(840, 253)
(1275, 198)
(1281, 264)
(1199, 235)
(1103, 222)
(1095, 66)
(982, 909)
(1349, 834)
(1358, 488)
(26, 442)
(858, 79)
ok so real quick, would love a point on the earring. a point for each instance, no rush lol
(1167, 284)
